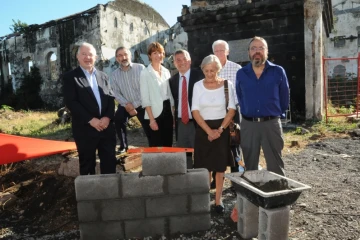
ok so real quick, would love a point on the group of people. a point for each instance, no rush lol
(193, 100)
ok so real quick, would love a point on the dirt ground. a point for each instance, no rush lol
(46, 205)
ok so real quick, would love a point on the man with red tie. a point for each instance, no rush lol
(181, 85)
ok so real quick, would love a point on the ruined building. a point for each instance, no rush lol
(52, 46)
(344, 41)
(294, 29)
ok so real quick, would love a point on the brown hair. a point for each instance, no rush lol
(155, 47)
(258, 38)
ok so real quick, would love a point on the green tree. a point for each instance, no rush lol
(18, 26)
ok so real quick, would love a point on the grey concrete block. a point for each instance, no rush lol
(136, 185)
(274, 223)
(248, 218)
(89, 211)
(200, 203)
(154, 164)
(190, 223)
(101, 230)
(145, 228)
(194, 181)
(123, 209)
(92, 187)
(166, 206)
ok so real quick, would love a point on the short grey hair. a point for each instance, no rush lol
(211, 59)
(182, 51)
(220, 42)
(86, 44)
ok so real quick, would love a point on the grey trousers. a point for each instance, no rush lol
(267, 135)
(186, 139)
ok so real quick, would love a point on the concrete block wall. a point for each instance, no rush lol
(165, 198)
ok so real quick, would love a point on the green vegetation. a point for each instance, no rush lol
(36, 124)
(18, 26)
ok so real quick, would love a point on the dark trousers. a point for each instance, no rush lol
(164, 136)
(104, 143)
(121, 120)
(236, 150)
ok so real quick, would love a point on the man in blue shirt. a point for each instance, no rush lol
(263, 92)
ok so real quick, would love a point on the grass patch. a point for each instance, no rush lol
(38, 124)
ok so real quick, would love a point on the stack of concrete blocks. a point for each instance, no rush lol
(165, 198)
(265, 224)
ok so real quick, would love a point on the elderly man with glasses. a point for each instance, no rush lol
(263, 92)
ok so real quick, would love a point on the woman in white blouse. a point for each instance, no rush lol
(156, 97)
(212, 138)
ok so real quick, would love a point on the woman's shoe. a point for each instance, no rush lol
(219, 208)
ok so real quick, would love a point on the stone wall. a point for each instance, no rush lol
(280, 22)
(165, 198)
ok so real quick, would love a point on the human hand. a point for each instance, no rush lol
(153, 125)
(129, 107)
(96, 123)
(133, 112)
(104, 122)
(214, 134)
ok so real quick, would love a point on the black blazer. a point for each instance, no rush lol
(80, 100)
(195, 75)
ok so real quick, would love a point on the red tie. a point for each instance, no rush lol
(184, 102)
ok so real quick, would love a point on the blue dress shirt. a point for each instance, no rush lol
(263, 97)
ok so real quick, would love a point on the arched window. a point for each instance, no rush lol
(339, 71)
(51, 66)
(115, 23)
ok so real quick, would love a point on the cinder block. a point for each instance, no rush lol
(154, 164)
(136, 185)
(145, 228)
(166, 206)
(190, 223)
(93, 187)
(123, 209)
(101, 230)
(200, 203)
(89, 211)
(274, 223)
(248, 218)
(194, 181)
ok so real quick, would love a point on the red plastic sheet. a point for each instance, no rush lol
(16, 148)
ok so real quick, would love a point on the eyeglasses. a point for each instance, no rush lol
(257, 49)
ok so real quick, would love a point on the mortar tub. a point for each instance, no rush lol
(267, 200)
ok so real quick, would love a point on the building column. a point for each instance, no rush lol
(313, 38)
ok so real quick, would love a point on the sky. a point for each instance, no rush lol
(41, 11)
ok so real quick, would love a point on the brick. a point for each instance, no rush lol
(190, 223)
(166, 206)
(194, 181)
(123, 209)
(145, 228)
(154, 164)
(136, 185)
(274, 223)
(248, 218)
(93, 187)
(101, 230)
(200, 203)
(89, 211)
(136, 162)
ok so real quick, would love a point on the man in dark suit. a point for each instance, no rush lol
(181, 85)
(87, 94)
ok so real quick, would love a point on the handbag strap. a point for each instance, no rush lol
(226, 90)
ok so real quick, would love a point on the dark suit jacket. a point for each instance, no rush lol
(195, 75)
(81, 101)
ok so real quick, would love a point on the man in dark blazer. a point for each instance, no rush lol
(87, 94)
(181, 85)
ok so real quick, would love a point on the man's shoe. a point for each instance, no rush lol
(220, 208)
